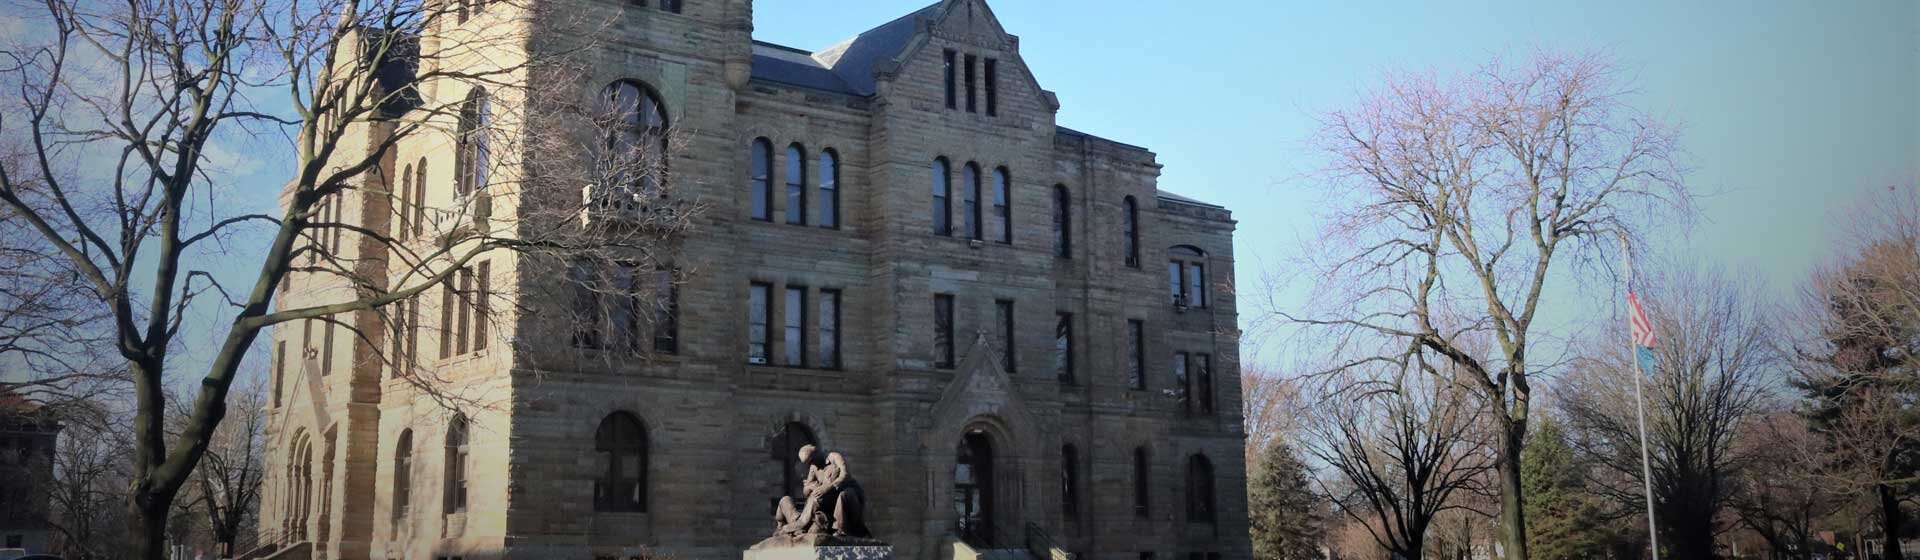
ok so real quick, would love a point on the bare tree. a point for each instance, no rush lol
(1271, 404)
(92, 465)
(1458, 201)
(1783, 498)
(119, 106)
(1860, 365)
(1403, 449)
(1715, 359)
(225, 491)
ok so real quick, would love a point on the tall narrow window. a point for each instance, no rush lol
(456, 461)
(1003, 322)
(1069, 480)
(1062, 222)
(401, 335)
(1176, 280)
(623, 313)
(482, 303)
(279, 369)
(761, 194)
(794, 334)
(796, 185)
(446, 318)
(1003, 219)
(830, 329)
(636, 141)
(943, 331)
(464, 295)
(993, 87)
(473, 144)
(1200, 504)
(1197, 285)
(403, 205)
(972, 92)
(829, 189)
(1180, 381)
(620, 443)
(759, 311)
(583, 279)
(970, 199)
(1136, 354)
(1140, 483)
(666, 313)
(1130, 232)
(1063, 347)
(402, 479)
(1203, 381)
(420, 198)
(326, 350)
(942, 193)
(950, 68)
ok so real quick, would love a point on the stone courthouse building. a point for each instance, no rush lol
(1016, 338)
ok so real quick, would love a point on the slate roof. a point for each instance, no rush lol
(1178, 198)
(846, 67)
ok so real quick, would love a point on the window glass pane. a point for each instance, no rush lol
(1062, 222)
(796, 185)
(622, 316)
(1003, 337)
(1135, 340)
(1197, 284)
(1063, 348)
(829, 190)
(796, 317)
(1003, 221)
(757, 322)
(942, 182)
(666, 313)
(943, 330)
(1180, 378)
(829, 329)
(762, 180)
(586, 304)
(970, 200)
(1174, 282)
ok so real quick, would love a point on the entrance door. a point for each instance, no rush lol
(973, 488)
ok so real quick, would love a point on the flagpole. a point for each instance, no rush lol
(1640, 410)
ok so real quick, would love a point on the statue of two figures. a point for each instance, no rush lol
(834, 513)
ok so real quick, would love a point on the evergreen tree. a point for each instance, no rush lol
(1282, 507)
(1563, 520)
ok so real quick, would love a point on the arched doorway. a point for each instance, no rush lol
(785, 451)
(973, 489)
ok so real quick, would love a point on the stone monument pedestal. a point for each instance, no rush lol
(810, 552)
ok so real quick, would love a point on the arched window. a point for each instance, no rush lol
(970, 199)
(1003, 217)
(1062, 222)
(475, 151)
(942, 193)
(762, 187)
(455, 499)
(636, 125)
(1200, 490)
(1140, 482)
(402, 479)
(796, 184)
(1069, 480)
(420, 198)
(829, 189)
(1130, 232)
(621, 445)
(1187, 275)
(403, 205)
(786, 453)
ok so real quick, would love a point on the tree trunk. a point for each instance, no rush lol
(1891, 520)
(147, 528)
(1513, 516)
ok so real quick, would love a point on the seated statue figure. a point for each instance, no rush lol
(835, 504)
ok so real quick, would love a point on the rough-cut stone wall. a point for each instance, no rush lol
(710, 418)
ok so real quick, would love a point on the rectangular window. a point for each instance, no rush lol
(482, 307)
(1176, 282)
(623, 317)
(586, 304)
(759, 316)
(398, 336)
(972, 93)
(993, 87)
(830, 329)
(795, 323)
(279, 369)
(952, 102)
(666, 313)
(1003, 322)
(1180, 381)
(829, 189)
(326, 351)
(1203, 377)
(1063, 347)
(943, 331)
(446, 318)
(796, 186)
(412, 355)
(1197, 285)
(1136, 354)
(465, 297)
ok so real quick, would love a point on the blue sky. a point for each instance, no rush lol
(1792, 111)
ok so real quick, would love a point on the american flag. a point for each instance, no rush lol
(1642, 328)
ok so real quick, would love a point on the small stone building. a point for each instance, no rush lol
(1018, 340)
(27, 437)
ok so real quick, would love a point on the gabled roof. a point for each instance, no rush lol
(846, 67)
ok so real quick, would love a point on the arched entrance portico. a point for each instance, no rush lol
(973, 488)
